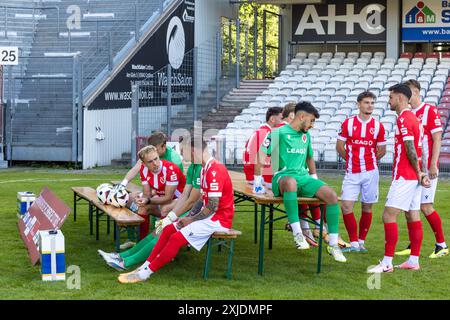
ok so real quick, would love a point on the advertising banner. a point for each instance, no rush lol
(340, 20)
(425, 21)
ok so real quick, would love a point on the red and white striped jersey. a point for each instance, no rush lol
(430, 119)
(216, 182)
(361, 140)
(251, 150)
(169, 174)
(408, 129)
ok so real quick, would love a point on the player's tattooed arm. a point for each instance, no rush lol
(196, 208)
(208, 210)
(412, 157)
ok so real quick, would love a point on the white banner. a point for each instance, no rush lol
(9, 56)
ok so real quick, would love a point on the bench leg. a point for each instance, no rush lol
(91, 218)
(256, 222)
(261, 241)
(97, 224)
(117, 232)
(319, 257)
(208, 259)
(270, 226)
(74, 206)
(230, 259)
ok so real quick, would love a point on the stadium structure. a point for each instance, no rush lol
(84, 81)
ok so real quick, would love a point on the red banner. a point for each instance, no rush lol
(47, 212)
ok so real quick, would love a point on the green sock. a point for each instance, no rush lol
(141, 244)
(141, 255)
(291, 206)
(333, 218)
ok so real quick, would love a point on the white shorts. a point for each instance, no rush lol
(404, 195)
(429, 193)
(197, 233)
(365, 183)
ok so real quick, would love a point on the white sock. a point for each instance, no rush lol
(144, 271)
(387, 261)
(361, 242)
(318, 225)
(333, 238)
(304, 224)
(355, 244)
(442, 244)
(413, 260)
(296, 228)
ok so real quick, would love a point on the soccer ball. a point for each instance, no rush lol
(103, 192)
(118, 198)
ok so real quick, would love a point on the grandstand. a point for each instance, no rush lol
(332, 82)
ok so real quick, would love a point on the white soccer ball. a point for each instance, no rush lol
(103, 192)
(118, 198)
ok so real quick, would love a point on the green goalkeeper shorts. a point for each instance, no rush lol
(307, 186)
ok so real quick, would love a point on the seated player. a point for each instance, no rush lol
(290, 150)
(273, 120)
(139, 253)
(214, 213)
(162, 183)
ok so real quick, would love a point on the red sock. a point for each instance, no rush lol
(176, 241)
(364, 224)
(351, 226)
(415, 232)
(162, 241)
(303, 210)
(391, 238)
(436, 224)
(315, 212)
(144, 226)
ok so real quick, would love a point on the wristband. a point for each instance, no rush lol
(124, 182)
(172, 216)
(314, 176)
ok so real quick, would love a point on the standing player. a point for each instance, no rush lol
(162, 183)
(212, 214)
(405, 191)
(431, 121)
(361, 142)
(290, 151)
(273, 120)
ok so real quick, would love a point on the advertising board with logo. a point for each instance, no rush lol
(426, 20)
(340, 20)
(168, 45)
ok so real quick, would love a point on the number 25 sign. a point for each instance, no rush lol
(9, 56)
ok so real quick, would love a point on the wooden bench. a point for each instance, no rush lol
(244, 192)
(131, 187)
(220, 239)
(123, 218)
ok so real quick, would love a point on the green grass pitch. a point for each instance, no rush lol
(289, 273)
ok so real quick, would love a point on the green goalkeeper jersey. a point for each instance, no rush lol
(193, 175)
(288, 150)
(172, 156)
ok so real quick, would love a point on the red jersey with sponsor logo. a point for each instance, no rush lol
(216, 182)
(361, 140)
(430, 119)
(250, 152)
(408, 129)
(169, 174)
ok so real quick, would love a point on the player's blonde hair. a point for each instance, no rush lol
(146, 150)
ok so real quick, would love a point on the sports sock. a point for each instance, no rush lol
(364, 224)
(333, 218)
(142, 254)
(387, 261)
(163, 239)
(354, 244)
(351, 226)
(295, 228)
(442, 244)
(361, 242)
(315, 212)
(176, 241)
(137, 247)
(436, 224)
(413, 259)
(144, 271)
(304, 224)
(415, 233)
(144, 226)
(391, 238)
(333, 239)
(291, 206)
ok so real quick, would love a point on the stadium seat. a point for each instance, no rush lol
(420, 55)
(407, 55)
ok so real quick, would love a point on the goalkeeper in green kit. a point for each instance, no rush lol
(290, 150)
